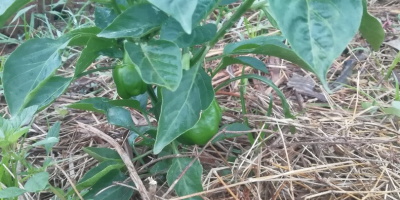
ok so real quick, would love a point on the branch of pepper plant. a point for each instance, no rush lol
(124, 156)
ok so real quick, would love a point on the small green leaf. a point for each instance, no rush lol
(113, 191)
(190, 182)
(91, 52)
(265, 45)
(102, 154)
(181, 109)
(81, 36)
(96, 173)
(49, 140)
(181, 10)
(29, 65)
(101, 104)
(11, 192)
(371, 29)
(136, 22)
(120, 117)
(199, 35)
(231, 127)
(37, 182)
(48, 91)
(243, 60)
(159, 62)
(55, 133)
(318, 30)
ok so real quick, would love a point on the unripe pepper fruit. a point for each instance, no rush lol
(205, 128)
(127, 79)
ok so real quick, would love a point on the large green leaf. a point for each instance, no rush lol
(181, 10)
(318, 30)
(266, 45)
(371, 29)
(190, 182)
(91, 52)
(29, 65)
(159, 62)
(48, 91)
(113, 191)
(11, 192)
(104, 16)
(199, 35)
(181, 109)
(96, 173)
(243, 60)
(9, 7)
(101, 104)
(102, 154)
(37, 182)
(172, 30)
(135, 22)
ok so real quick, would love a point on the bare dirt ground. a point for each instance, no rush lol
(344, 148)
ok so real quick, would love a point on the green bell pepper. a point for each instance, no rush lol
(205, 128)
(127, 79)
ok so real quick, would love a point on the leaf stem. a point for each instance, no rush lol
(152, 94)
(240, 11)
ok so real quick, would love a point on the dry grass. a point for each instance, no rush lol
(331, 150)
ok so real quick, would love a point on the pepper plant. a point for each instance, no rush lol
(159, 47)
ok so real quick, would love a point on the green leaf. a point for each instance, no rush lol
(159, 62)
(49, 140)
(96, 173)
(371, 29)
(113, 191)
(9, 7)
(199, 35)
(91, 52)
(53, 132)
(136, 21)
(81, 36)
(102, 154)
(243, 60)
(318, 30)
(265, 45)
(285, 104)
(231, 127)
(190, 182)
(37, 182)
(181, 10)
(11, 192)
(48, 91)
(181, 109)
(101, 104)
(226, 2)
(120, 117)
(29, 65)
(104, 16)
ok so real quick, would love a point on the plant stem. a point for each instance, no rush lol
(392, 66)
(152, 95)
(240, 11)
(174, 147)
(242, 90)
(92, 71)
